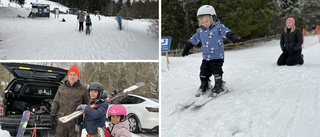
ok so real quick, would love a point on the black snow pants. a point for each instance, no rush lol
(212, 67)
(80, 26)
(290, 59)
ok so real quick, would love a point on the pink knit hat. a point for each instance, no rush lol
(290, 19)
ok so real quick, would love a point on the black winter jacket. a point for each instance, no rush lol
(291, 42)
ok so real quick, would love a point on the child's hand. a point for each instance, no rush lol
(233, 37)
(81, 107)
(185, 52)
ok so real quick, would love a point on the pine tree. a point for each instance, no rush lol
(173, 23)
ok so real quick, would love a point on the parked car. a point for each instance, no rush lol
(142, 113)
(33, 88)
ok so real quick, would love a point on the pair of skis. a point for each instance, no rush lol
(77, 113)
(203, 99)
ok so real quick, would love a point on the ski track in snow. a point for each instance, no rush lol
(266, 100)
(51, 39)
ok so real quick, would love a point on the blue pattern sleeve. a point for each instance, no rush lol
(223, 31)
(195, 39)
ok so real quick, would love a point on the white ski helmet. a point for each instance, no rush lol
(206, 10)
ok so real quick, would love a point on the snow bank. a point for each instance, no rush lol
(13, 12)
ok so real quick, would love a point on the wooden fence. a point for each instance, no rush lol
(248, 43)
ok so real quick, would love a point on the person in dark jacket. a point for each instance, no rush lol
(88, 24)
(69, 95)
(95, 117)
(291, 41)
(210, 34)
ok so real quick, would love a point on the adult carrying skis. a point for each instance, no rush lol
(290, 43)
(210, 34)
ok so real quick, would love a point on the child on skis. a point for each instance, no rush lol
(94, 117)
(88, 24)
(119, 126)
(210, 34)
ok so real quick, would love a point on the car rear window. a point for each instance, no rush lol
(37, 75)
(40, 90)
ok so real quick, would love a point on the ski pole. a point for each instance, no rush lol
(77, 26)
(34, 133)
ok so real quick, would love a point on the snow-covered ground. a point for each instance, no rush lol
(51, 39)
(266, 100)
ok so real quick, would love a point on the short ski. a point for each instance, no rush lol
(207, 99)
(189, 102)
(23, 123)
(77, 113)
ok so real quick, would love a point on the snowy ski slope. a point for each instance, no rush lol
(51, 39)
(267, 100)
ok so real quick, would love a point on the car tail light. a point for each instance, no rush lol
(1, 106)
(150, 109)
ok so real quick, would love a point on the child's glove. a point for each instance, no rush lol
(233, 37)
(186, 50)
(108, 132)
(81, 107)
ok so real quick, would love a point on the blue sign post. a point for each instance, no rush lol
(165, 46)
(165, 43)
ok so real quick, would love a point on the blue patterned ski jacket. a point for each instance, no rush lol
(212, 40)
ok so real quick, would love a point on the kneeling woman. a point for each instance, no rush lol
(291, 41)
(95, 117)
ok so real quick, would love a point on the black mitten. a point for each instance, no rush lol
(186, 50)
(233, 37)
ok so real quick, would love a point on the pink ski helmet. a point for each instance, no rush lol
(117, 109)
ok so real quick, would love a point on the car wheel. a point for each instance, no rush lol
(133, 124)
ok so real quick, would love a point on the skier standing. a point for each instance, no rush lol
(210, 34)
(94, 117)
(290, 43)
(69, 95)
(81, 17)
(119, 126)
(88, 24)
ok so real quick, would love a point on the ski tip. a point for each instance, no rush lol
(140, 84)
(63, 120)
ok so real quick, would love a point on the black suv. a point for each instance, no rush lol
(33, 89)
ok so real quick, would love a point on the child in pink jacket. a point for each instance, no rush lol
(119, 126)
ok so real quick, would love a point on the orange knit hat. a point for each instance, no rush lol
(74, 69)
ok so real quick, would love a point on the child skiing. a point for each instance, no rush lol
(119, 126)
(210, 34)
(94, 117)
(88, 24)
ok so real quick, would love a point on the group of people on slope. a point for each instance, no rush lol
(81, 18)
(72, 96)
(211, 33)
